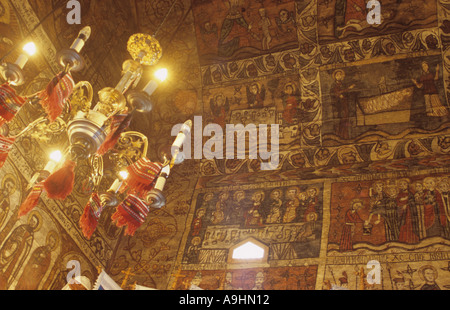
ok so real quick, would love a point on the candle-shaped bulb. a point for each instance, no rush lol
(85, 33)
(83, 36)
(151, 87)
(30, 50)
(162, 179)
(184, 132)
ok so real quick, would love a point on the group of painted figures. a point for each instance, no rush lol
(254, 209)
(409, 212)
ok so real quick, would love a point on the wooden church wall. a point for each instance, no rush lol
(375, 150)
(340, 150)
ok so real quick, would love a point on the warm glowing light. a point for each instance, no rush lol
(161, 74)
(30, 48)
(56, 156)
(123, 175)
(248, 250)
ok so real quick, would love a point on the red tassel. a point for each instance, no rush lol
(59, 185)
(91, 215)
(142, 175)
(54, 97)
(6, 145)
(118, 126)
(10, 103)
(32, 200)
(131, 213)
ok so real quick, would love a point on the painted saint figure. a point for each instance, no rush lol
(219, 214)
(286, 26)
(16, 248)
(256, 95)
(253, 216)
(341, 104)
(291, 205)
(264, 24)
(276, 204)
(420, 202)
(444, 189)
(236, 207)
(234, 31)
(407, 214)
(390, 214)
(427, 82)
(351, 219)
(197, 223)
(291, 103)
(377, 201)
(429, 274)
(38, 264)
(434, 212)
(8, 188)
(219, 107)
(312, 204)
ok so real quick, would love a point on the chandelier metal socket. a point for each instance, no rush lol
(12, 73)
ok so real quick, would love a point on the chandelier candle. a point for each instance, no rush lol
(153, 85)
(30, 50)
(80, 41)
(115, 187)
(185, 131)
(162, 179)
(55, 159)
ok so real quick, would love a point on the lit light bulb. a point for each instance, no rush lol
(115, 187)
(56, 156)
(29, 49)
(124, 175)
(161, 74)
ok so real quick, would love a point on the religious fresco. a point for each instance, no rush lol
(384, 97)
(419, 272)
(231, 30)
(407, 212)
(346, 19)
(286, 218)
(268, 101)
(282, 278)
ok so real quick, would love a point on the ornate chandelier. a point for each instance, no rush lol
(94, 134)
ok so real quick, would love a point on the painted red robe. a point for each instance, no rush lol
(434, 210)
(290, 110)
(407, 233)
(351, 219)
(355, 10)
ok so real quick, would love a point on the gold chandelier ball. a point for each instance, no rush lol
(145, 49)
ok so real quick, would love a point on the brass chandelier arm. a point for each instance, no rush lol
(31, 126)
